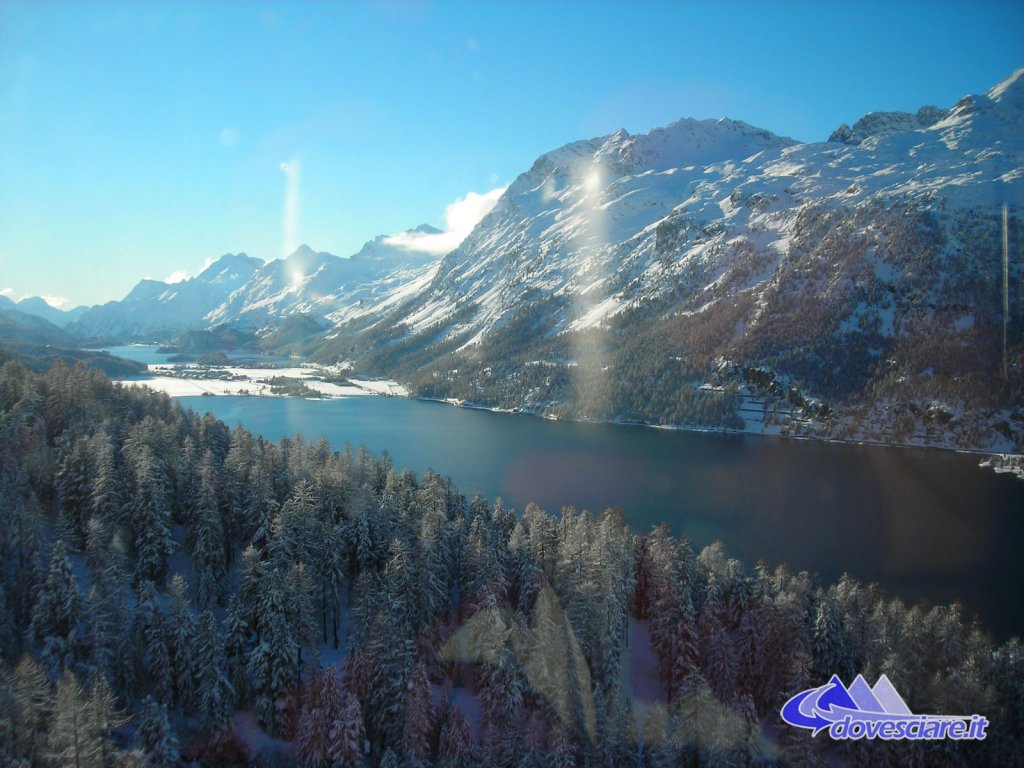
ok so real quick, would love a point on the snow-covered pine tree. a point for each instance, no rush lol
(181, 643)
(347, 732)
(106, 492)
(56, 612)
(312, 729)
(74, 487)
(152, 643)
(156, 736)
(214, 695)
(302, 616)
(207, 537)
(151, 516)
(457, 746)
(273, 662)
(237, 635)
(419, 715)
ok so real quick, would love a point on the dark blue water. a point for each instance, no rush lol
(925, 525)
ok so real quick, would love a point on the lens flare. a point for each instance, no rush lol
(290, 230)
(590, 242)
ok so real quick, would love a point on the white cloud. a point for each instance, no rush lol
(459, 217)
(55, 301)
(177, 276)
(6, 292)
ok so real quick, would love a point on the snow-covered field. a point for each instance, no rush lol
(186, 382)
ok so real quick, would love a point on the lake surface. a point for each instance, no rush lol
(924, 524)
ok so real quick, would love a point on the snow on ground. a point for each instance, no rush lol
(255, 381)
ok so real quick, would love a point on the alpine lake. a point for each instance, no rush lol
(925, 525)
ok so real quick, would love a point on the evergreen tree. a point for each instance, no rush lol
(106, 491)
(156, 736)
(273, 663)
(181, 644)
(214, 695)
(347, 732)
(151, 517)
(75, 488)
(237, 634)
(153, 643)
(207, 537)
(55, 615)
(419, 715)
(457, 747)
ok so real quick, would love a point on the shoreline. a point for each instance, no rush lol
(241, 381)
(726, 430)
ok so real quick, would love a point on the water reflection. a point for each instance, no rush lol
(923, 524)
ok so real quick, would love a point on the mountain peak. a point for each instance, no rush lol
(426, 229)
(688, 142)
(302, 250)
(1009, 90)
(878, 124)
(230, 261)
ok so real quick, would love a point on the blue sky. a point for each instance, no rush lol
(142, 139)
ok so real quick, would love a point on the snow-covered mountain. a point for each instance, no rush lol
(246, 292)
(676, 263)
(155, 308)
(325, 285)
(39, 307)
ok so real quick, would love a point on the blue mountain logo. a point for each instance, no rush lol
(860, 711)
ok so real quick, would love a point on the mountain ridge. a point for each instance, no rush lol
(699, 272)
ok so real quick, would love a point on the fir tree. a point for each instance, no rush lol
(207, 538)
(75, 488)
(56, 613)
(419, 715)
(151, 517)
(214, 695)
(181, 644)
(153, 644)
(156, 736)
(273, 663)
(347, 732)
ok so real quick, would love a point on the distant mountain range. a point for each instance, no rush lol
(707, 273)
(38, 307)
(243, 290)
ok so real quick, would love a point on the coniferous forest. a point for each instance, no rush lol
(174, 592)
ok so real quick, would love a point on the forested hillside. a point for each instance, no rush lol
(173, 591)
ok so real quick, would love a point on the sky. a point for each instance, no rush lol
(146, 139)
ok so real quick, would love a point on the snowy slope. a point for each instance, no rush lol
(325, 285)
(832, 264)
(154, 308)
(589, 221)
(34, 305)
